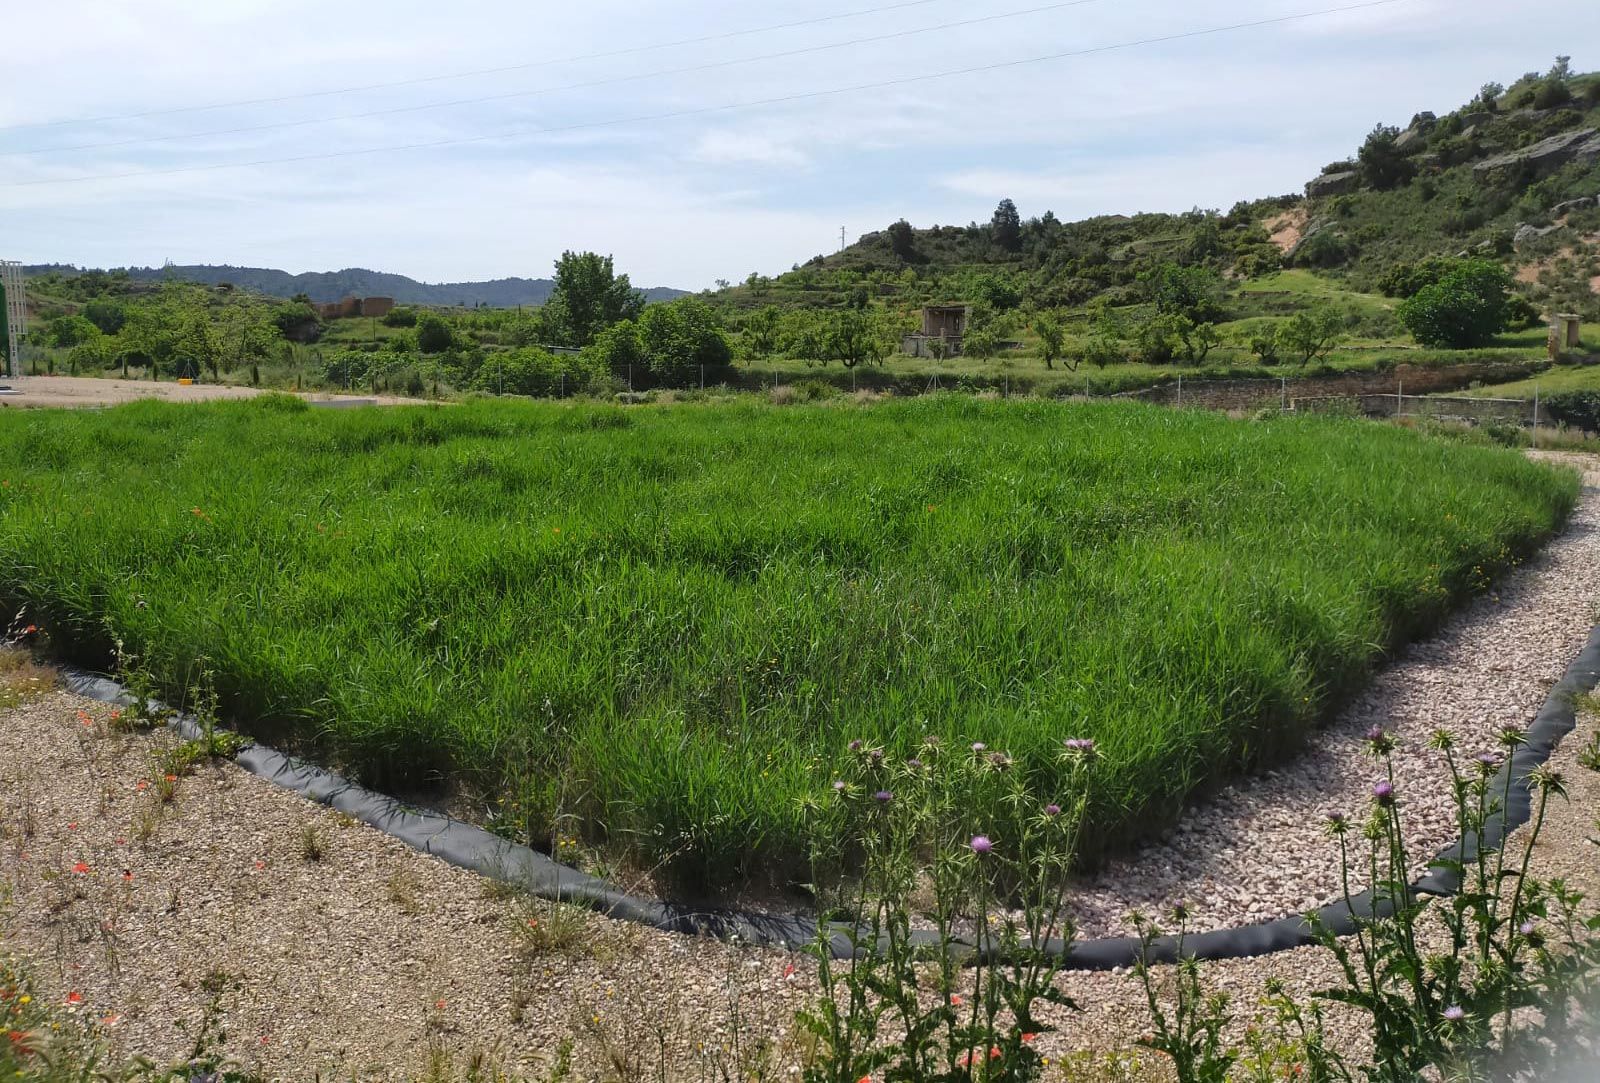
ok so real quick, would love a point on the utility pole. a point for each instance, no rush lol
(841, 238)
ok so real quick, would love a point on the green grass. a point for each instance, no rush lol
(668, 621)
(1556, 378)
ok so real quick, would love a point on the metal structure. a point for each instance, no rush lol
(16, 318)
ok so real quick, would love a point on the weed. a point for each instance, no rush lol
(404, 887)
(542, 927)
(312, 848)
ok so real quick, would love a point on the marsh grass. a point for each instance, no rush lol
(667, 621)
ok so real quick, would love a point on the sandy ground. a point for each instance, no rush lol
(1287, 228)
(84, 391)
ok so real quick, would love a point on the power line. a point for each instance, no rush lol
(420, 80)
(731, 107)
(610, 81)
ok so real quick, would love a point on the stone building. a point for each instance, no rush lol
(940, 323)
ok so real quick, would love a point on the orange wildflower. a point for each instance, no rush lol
(80, 868)
(74, 998)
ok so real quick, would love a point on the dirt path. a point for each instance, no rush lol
(84, 391)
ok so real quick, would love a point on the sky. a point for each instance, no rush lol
(695, 140)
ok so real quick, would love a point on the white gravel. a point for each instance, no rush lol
(1257, 850)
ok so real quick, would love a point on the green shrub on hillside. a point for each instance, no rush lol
(1465, 308)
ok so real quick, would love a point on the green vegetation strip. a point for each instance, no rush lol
(668, 622)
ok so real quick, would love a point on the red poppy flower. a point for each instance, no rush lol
(74, 998)
(1029, 1037)
(994, 1052)
(439, 1004)
(73, 826)
(80, 867)
(127, 874)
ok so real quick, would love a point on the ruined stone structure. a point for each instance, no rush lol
(940, 323)
(356, 306)
(1565, 334)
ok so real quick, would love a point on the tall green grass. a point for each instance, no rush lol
(671, 620)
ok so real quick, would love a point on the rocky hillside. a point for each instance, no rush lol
(1513, 174)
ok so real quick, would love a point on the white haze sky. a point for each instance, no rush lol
(686, 200)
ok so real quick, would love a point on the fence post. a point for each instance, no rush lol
(702, 377)
(1399, 398)
(1180, 390)
(1283, 401)
(630, 377)
(1535, 415)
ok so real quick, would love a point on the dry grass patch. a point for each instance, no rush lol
(22, 679)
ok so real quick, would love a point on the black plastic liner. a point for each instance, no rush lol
(473, 848)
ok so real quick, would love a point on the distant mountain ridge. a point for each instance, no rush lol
(326, 286)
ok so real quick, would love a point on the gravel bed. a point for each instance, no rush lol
(1257, 850)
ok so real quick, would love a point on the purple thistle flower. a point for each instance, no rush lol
(855, 746)
(1526, 928)
(838, 785)
(1384, 792)
(1052, 810)
(1083, 746)
(1488, 761)
(1000, 760)
(931, 741)
(1454, 1014)
(981, 844)
(979, 746)
(876, 755)
(883, 797)
(1375, 734)
(914, 763)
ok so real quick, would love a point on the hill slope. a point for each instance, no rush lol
(359, 282)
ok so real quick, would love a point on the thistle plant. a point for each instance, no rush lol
(953, 840)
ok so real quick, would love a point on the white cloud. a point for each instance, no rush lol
(715, 194)
(740, 148)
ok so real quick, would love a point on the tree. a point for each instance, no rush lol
(589, 296)
(1052, 338)
(981, 343)
(198, 347)
(681, 339)
(1465, 308)
(68, 331)
(433, 334)
(853, 338)
(903, 240)
(1381, 163)
(1194, 293)
(1007, 226)
(761, 329)
(105, 314)
(1312, 333)
(1264, 344)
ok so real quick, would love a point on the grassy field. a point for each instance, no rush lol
(667, 622)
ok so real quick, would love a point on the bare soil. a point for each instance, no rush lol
(86, 391)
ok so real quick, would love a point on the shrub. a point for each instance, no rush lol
(433, 334)
(540, 373)
(1579, 409)
(1465, 308)
(400, 317)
